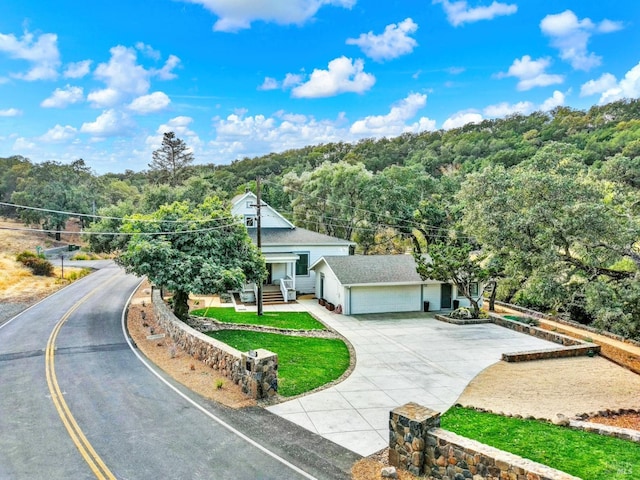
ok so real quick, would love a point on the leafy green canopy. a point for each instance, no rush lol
(201, 250)
(568, 234)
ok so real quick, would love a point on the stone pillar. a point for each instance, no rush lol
(261, 373)
(408, 427)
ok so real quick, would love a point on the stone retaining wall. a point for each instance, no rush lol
(608, 430)
(570, 323)
(571, 347)
(256, 371)
(419, 445)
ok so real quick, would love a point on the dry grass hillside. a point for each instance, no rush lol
(17, 283)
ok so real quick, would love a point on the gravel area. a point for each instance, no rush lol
(544, 388)
(8, 310)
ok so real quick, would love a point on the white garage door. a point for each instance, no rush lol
(385, 299)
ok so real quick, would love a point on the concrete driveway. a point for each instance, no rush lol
(400, 358)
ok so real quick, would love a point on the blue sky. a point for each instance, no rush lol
(103, 81)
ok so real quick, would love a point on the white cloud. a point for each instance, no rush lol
(77, 69)
(125, 78)
(571, 36)
(459, 12)
(606, 82)
(42, 52)
(234, 15)
(608, 26)
(556, 100)
(292, 79)
(150, 103)
(269, 84)
(166, 72)
(239, 135)
(10, 112)
(104, 97)
(59, 134)
(531, 73)
(148, 50)
(253, 135)
(611, 90)
(181, 126)
(394, 42)
(504, 109)
(343, 75)
(394, 122)
(61, 97)
(460, 119)
(22, 144)
(109, 124)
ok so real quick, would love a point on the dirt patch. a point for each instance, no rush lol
(17, 284)
(370, 468)
(174, 361)
(616, 355)
(623, 420)
(544, 388)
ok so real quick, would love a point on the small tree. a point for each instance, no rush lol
(454, 261)
(186, 250)
(170, 161)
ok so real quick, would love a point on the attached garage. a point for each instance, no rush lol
(390, 298)
(360, 284)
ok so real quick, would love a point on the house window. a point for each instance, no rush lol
(473, 289)
(250, 221)
(249, 204)
(302, 264)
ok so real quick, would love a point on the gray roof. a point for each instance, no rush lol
(374, 269)
(294, 236)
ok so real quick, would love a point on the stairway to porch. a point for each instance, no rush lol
(271, 295)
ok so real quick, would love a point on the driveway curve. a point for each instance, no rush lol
(400, 358)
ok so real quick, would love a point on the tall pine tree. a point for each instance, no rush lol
(170, 161)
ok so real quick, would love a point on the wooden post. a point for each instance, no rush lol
(259, 241)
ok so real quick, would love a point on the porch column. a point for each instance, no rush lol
(292, 266)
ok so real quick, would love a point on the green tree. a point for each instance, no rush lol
(331, 198)
(58, 188)
(171, 161)
(454, 260)
(560, 227)
(199, 250)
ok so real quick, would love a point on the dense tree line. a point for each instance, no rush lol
(547, 204)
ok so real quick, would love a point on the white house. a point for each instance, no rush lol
(289, 251)
(361, 284)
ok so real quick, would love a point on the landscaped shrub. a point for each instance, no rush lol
(461, 313)
(38, 264)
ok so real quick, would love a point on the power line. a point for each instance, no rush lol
(407, 223)
(70, 232)
(104, 217)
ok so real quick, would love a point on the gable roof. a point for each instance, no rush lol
(240, 199)
(373, 269)
(294, 236)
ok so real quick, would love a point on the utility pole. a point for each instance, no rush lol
(259, 242)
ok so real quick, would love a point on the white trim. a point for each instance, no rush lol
(280, 257)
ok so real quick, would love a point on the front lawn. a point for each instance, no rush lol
(585, 455)
(286, 320)
(303, 363)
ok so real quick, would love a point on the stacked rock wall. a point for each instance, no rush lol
(418, 444)
(257, 374)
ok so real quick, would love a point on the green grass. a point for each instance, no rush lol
(287, 320)
(585, 455)
(303, 363)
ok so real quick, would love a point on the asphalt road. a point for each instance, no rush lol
(76, 402)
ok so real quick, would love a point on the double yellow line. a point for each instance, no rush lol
(94, 461)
